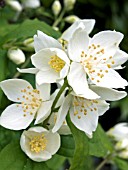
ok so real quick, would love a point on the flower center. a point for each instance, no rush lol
(31, 100)
(56, 63)
(83, 106)
(38, 143)
(94, 57)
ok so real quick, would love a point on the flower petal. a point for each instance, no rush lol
(64, 129)
(102, 106)
(62, 113)
(53, 142)
(44, 91)
(14, 118)
(48, 76)
(41, 59)
(86, 24)
(12, 88)
(41, 41)
(108, 94)
(111, 79)
(118, 59)
(43, 111)
(85, 122)
(78, 44)
(107, 38)
(28, 70)
(78, 81)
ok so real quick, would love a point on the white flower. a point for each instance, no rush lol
(119, 134)
(119, 131)
(85, 24)
(52, 64)
(123, 154)
(15, 5)
(56, 7)
(31, 3)
(64, 129)
(39, 144)
(95, 58)
(71, 19)
(84, 113)
(30, 104)
(69, 4)
(16, 55)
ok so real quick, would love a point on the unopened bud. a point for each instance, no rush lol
(29, 43)
(56, 7)
(71, 19)
(69, 4)
(123, 154)
(14, 5)
(31, 3)
(56, 28)
(16, 55)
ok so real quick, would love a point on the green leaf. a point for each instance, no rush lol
(67, 146)
(120, 163)
(12, 158)
(81, 155)
(28, 28)
(100, 145)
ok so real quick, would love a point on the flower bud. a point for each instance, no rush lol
(123, 154)
(16, 55)
(69, 4)
(29, 43)
(14, 5)
(31, 4)
(56, 7)
(71, 19)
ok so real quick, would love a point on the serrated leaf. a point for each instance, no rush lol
(12, 158)
(67, 146)
(100, 145)
(81, 155)
(120, 163)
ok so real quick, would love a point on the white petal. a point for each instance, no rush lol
(40, 157)
(53, 142)
(44, 91)
(78, 81)
(102, 106)
(41, 41)
(64, 129)
(28, 70)
(62, 113)
(43, 111)
(86, 24)
(13, 118)
(110, 80)
(86, 123)
(12, 88)
(108, 94)
(107, 38)
(37, 129)
(119, 58)
(40, 59)
(47, 77)
(78, 43)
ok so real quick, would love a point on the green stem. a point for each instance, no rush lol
(23, 66)
(58, 20)
(56, 100)
(59, 94)
(104, 162)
